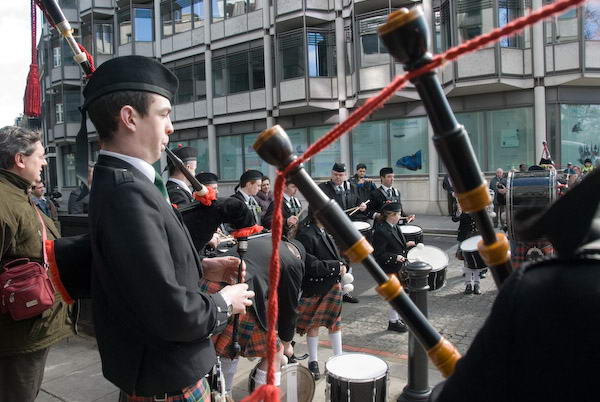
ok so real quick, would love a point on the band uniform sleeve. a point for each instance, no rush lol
(381, 253)
(267, 218)
(133, 241)
(316, 268)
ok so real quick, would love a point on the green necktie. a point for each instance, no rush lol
(160, 185)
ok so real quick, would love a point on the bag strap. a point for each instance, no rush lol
(44, 237)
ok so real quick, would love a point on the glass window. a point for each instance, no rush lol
(443, 30)
(257, 68)
(372, 49)
(166, 20)
(56, 59)
(409, 145)
(319, 55)
(218, 10)
(59, 113)
(219, 83)
(473, 17)
(510, 138)
(124, 20)
(291, 48)
(509, 10)
(579, 128)
(86, 36)
(104, 35)
(251, 158)
(71, 104)
(370, 145)
(182, 15)
(68, 159)
(591, 21)
(562, 28)
(198, 12)
(230, 157)
(298, 139)
(201, 145)
(320, 164)
(185, 92)
(200, 80)
(474, 124)
(67, 54)
(143, 24)
(237, 68)
(233, 8)
(254, 5)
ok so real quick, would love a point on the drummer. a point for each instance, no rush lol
(467, 229)
(385, 194)
(390, 252)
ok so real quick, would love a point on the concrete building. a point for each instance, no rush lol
(245, 65)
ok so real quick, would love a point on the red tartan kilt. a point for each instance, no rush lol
(251, 336)
(518, 255)
(320, 311)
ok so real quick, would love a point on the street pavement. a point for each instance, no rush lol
(74, 374)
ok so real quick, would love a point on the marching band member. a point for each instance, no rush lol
(247, 189)
(178, 186)
(390, 252)
(152, 324)
(321, 302)
(466, 229)
(385, 194)
(290, 209)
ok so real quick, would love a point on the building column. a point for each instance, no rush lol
(434, 160)
(341, 82)
(539, 91)
(210, 127)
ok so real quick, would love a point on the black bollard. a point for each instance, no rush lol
(417, 388)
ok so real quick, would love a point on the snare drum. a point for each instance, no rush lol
(356, 377)
(412, 233)
(528, 194)
(364, 228)
(297, 383)
(436, 258)
(469, 250)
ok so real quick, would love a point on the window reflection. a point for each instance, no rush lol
(591, 21)
(143, 24)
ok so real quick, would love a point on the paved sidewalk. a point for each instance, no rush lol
(74, 374)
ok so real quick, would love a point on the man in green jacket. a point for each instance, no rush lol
(24, 344)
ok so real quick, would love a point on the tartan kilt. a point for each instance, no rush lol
(199, 392)
(251, 336)
(519, 255)
(320, 311)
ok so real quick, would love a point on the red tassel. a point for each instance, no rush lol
(32, 100)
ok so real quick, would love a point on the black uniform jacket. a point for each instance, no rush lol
(178, 195)
(240, 197)
(466, 228)
(542, 333)
(257, 260)
(202, 221)
(379, 198)
(267, 219)
(323, 261)
(388, 243)
(152, 324)
(347, 199)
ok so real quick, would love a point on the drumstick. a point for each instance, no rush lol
(357, 208)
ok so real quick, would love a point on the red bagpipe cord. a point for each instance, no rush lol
(269, 392)
(32, 103)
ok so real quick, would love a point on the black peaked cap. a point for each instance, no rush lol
(392, 207)
(130, 73)
(207, 178)
(339, 167)
(186, 154)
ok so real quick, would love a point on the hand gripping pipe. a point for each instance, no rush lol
(273, 145)
(406, 36)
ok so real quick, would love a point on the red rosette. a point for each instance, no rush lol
(207, 198)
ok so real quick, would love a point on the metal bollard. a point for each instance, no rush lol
(418, 388)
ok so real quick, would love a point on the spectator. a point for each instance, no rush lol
(264, 197)
(498, 185)
(46, 206)
(80, 197)
(522, 168)
(364, 186)
(587, 166)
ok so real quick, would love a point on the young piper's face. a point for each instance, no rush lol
(155, 127)
(393, 218)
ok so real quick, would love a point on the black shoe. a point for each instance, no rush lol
(397, 326)
(349, 299)
(476, 289)
(313, 367)
(468, 289)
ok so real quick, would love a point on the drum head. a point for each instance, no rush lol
(361, 225)
(356, 367)
(305, 383)
(434, 256)
(470, 244)
(410, 229)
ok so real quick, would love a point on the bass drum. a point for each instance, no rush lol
(528, 194)
(297, 383)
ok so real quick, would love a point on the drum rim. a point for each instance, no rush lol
(431, 247)
(411, 226)
(475, 239)
(356, 224)
(328, 372)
